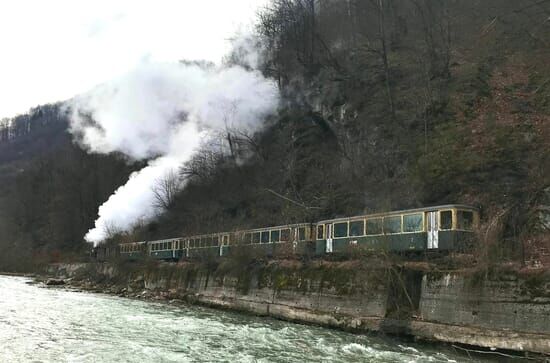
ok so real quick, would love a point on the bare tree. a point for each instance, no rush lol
(165, 190)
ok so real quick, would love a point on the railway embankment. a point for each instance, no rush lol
(503, 309)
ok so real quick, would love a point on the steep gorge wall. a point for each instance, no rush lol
(506, 312)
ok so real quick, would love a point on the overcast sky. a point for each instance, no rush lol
(53, 50)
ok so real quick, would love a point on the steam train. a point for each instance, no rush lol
(439, 228)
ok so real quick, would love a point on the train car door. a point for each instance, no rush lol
(433, 233)
(174, 243)
(224, 242)
(328, 233)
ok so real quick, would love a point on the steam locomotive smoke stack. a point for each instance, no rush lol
(162, 113)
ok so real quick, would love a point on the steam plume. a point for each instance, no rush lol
(163, 113)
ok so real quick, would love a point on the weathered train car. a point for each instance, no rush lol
(104, 252)
(166, 249)
(277, 240)
(267, 241)
(133, 250)
(439, 228)
(205, 246)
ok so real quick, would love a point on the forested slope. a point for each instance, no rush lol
(50, 189)
(386, 105)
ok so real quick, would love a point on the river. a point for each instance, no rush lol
(39, 324)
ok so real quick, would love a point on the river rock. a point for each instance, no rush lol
(55, 282)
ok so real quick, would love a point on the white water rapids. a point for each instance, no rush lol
(56, 325)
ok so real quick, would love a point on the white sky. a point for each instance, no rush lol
(53, 50)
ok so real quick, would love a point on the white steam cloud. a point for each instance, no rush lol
(163, 113)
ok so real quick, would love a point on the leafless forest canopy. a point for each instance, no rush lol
(387, 104)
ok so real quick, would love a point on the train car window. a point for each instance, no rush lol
(275, 236)
(357, 228)
(340, 230)
(465, 220)
(412, 222)
(285, 235)
(392, 224)
(302, 233)
(320, 231)
(256, 237)
(265, 237)
(216, 241)
(374, 226)
(209, 241)
(445, 219)
(247, 238)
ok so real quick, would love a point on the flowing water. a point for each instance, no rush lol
(40, 324)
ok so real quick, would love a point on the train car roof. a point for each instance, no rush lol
(132, 243)
(402, 211)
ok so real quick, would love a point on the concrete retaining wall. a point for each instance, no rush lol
(505, 313)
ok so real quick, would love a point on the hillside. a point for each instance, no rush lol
(50, 189)
(386, 105)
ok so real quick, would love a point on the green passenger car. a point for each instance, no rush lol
(166, 249)
(133, 250)
(439, 228)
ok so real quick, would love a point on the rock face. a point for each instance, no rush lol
(503, 311)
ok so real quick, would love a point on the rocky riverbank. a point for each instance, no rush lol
(506, 311)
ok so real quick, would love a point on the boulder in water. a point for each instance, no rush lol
(55, 282)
